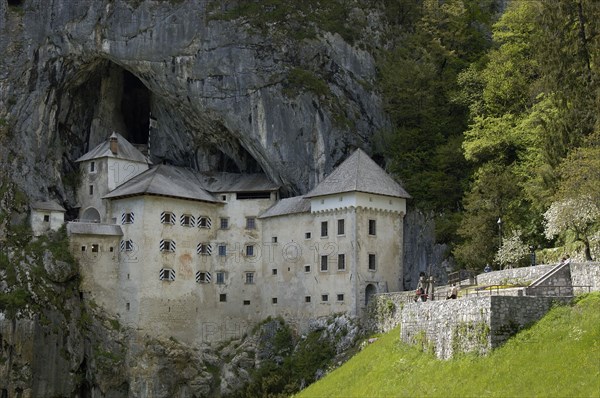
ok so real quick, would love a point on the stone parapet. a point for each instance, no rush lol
(585, 277)
(523, 275)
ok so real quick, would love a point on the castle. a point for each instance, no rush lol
(201, 257)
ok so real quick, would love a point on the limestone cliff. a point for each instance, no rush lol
(225, 95)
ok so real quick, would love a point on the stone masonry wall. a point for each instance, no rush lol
(449, 327)
(556, 283)
(583, 275)
(514, 275)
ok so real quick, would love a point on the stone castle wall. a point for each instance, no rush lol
(585, 277)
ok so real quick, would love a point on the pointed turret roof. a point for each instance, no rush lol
(126, 151)
(358, 173)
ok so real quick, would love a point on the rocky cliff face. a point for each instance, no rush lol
(224, 95)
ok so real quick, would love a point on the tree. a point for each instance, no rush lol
(580, 215)
(512, 251)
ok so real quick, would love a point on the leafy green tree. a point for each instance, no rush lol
(512, 251)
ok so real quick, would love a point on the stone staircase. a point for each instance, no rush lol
(555, 283)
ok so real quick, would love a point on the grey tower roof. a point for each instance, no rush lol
(294, 205)
(361, 174)
(48, 205)
(126, 151)
(164, 180)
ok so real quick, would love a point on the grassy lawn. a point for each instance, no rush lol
(557, 357)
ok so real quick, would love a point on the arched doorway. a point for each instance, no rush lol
(90, 215)
(369, 292)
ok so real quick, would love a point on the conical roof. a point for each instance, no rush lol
(358, 173)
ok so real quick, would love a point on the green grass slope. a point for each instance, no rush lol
(557, 357)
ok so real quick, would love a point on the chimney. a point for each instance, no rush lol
(114, 145)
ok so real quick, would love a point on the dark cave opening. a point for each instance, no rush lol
(135, 108)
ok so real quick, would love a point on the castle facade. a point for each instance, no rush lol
(202, 257)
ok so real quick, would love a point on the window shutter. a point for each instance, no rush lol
(163, 243)
(203, 277)
(167, 274)
(122, 246)
(204, 249)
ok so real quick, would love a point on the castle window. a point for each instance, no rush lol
(91, 189)
(111, 249)
(166, 245)
(307, 235)
(340, 297)
(95, 248)
(127, 218)
(274, 239)
(224, 223)
(166, 274)
(324, 297)
(222, 250)
(222, 297)
(307, 299)
(249, 278)
(307, 268)
(166, 217)
(127, 306)
(274, 271)
(274, 300)
(46, 218)
(220, 278)
(372, 262)
(204, 249)
(126, 245)
(83, 248)
(186, 220)
(324, 232)
(250, 250)
(340, 226)
(204, 222)
(250, 223)
(92, 167)
(246, 302)
(372, 227)
(341, 262)
(203, 277)
(224, 198)
(324, 264)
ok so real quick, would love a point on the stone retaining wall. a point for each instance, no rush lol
(585, 274)
(513, 276)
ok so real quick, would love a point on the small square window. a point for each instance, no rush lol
(204, 222)
(372, 262)
(46, 218)
(224, 223)
(222, 297)
(340, 297)
(167, 217)
(341, 262)
(372, 227)
(83, 248)
(307, 268)
(274, 239)
(307, 235)
(250, 250)
(186, 220)
(224, 198)
(250, 223)
(274, 271)
(249, 278)
(274, 300)
(95, 248)
(111, 249)
(220, 278)
(324, 297)
(222, 250)
(246, 302)
(340, 227)
(324, 228)
(324, 263)
(307, 299)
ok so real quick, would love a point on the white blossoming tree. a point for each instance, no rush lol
(580, 215)
(512, 250)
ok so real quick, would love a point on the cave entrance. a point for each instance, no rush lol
(135, 108)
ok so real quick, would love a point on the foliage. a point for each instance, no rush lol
(579, 215)
(300, 80)
(391, 368)
(512, 251)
